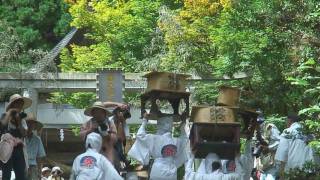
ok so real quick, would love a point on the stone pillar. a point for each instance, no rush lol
(32, 94)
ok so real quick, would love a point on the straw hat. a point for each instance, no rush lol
(96, 105)
(31, 118)
(14, 98)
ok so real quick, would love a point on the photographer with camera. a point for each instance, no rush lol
(13, 123)
(102, 124)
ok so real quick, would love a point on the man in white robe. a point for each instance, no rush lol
(213, 170)
(242, 171)
(266, 163)
(92, 165)
(169, 153)
(293, 152)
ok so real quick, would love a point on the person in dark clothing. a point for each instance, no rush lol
(13, 122)
(120, 115)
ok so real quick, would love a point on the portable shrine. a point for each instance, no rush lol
(216, 130)
(212, 114)
(166, 86)
(229, 96)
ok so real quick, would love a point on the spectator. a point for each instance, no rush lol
(101, 124)
(120, 115)
(13, 122)
(293, 151)
(45, 173)
(35, 147)
(266, 164)
(56, 174)
(91, 164)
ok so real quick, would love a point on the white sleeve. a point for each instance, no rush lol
(244, 163)
(74, 170)
(275, 135)
(109, 171)
(142, 129)
(183, 150)
(189, 173)
(283, 149)
(246, 158)
(141, 148)
(202, 167)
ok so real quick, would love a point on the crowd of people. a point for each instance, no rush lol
(105, 134)
(21, 149)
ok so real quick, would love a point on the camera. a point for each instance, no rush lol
(103, 127)
(126, 112)
(15, 117)
(22, 115)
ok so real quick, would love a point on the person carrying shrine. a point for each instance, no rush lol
(212, 168)
(91, 165)
(169, 153)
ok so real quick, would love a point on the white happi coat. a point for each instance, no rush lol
(168, 152)
(244, 165)
(266, 163)
(272, 134)
(208, 174)
(92, 165)
(292, 148)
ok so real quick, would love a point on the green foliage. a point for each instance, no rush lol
(38, 23)
(28, 29)
(13, 55)
(280, 122)
(78, 100)
(310, 171)
(132, 98)
(86, 59)
(206, 93)
(150, 128)
(75, 129)
(242, 145)
(306, 78)
(119, 30)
